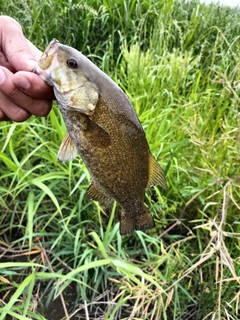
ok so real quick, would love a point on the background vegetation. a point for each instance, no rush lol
(61, 256)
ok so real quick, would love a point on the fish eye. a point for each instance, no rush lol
(72, 63)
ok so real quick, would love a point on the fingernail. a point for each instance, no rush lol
(23, 83)
(2, 76)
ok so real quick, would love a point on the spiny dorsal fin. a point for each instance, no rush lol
(95, 193)
(67, 150)
(156, 174)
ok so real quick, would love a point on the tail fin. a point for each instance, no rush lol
(129, 223)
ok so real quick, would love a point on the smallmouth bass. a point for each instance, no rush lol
(104, 128)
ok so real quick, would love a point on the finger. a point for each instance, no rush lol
(15, 46)
(10, 111)
(13, 98)
(3, 116)
(4, 62)
(32, 85)
(35, 52)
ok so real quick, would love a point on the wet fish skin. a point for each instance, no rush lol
(104, 128)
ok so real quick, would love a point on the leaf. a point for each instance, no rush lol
(4, 280)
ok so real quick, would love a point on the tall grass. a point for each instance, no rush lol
(61, 256)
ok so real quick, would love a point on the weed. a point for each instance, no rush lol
(61, 256)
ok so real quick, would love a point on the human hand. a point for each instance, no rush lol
(22, 93)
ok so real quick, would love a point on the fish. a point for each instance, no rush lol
(103, 127)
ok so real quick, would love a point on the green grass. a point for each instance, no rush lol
(61, 256)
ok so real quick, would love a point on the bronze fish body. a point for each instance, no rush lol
(104, 128)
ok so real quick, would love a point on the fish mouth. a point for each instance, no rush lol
(46, 62)
(51, 48)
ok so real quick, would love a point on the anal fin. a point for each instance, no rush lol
(95, 193)
(156, 174)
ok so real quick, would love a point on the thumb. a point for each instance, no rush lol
(20, 58)
(15, 46)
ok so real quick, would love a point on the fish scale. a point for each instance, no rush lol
(104, 129)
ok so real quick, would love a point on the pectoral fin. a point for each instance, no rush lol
(96, 135)
(67, 150)
(95, 193)
(156, 174)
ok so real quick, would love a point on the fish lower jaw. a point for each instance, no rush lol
(43, 75)
(70, 90)
(85, 111)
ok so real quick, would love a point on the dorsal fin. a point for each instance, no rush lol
(156, 175)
